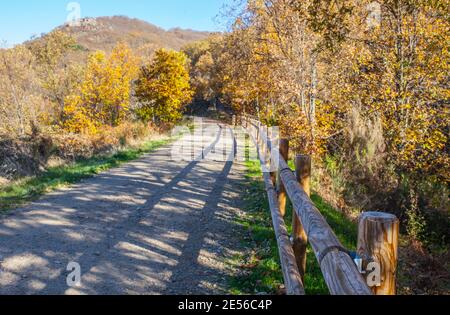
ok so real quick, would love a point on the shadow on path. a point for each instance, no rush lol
(134, 230)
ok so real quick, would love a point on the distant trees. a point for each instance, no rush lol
(206, 69)
(21, 103)
(57, 74)
(46, 82)
(35, 79)
(163, 87)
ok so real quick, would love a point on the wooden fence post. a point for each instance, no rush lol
(378, 240)
(263, 146)
(258, 130)
(300, 239)
(282, 196)
(273, 175)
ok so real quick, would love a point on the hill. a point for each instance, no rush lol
(103, 33)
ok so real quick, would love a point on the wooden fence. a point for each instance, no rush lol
(345, 273)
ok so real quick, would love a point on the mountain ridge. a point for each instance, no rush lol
(103, 33)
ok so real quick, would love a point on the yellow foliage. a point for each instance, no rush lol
(104, 96)
(306, 65)
(21, 104)
(163, 88)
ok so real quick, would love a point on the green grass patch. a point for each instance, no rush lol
(261, 270)
(30, 189)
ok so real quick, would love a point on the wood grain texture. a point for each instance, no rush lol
(303, 172)
(282, 196)
(340, 272)
(291, 275)
(378, 239)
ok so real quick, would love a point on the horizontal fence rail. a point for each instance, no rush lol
(339, 269)
(292, 279)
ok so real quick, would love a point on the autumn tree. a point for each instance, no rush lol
(207, 69)
(58, 74)
(163, 87)
(275, 62)
(310, 64)
(407, 55)
(361, 85)
(21, 104)
(104, 96)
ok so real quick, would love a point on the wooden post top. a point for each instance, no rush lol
(378, 239)
(378, 216)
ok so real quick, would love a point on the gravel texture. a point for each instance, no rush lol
(158, 225)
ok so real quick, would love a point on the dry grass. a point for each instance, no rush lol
(422, 273)
(32, 154)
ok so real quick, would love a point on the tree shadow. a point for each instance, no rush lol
(136, 229)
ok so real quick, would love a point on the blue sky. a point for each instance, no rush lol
(20, 19)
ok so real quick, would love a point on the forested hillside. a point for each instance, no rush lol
(103, 33)
(90, 89)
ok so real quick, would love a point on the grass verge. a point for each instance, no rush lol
(260, 267)
(30, 189)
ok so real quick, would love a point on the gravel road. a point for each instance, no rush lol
(158, 225)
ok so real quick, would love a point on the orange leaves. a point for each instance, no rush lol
(404, 82)
(308, 66)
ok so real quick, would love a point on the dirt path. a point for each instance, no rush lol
(158, 225)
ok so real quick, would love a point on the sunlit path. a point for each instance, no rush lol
(161, 225)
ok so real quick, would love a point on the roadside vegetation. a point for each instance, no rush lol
(56, 109)
(261, 271)
(260, 267)
(362, 87)
(29, 189)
